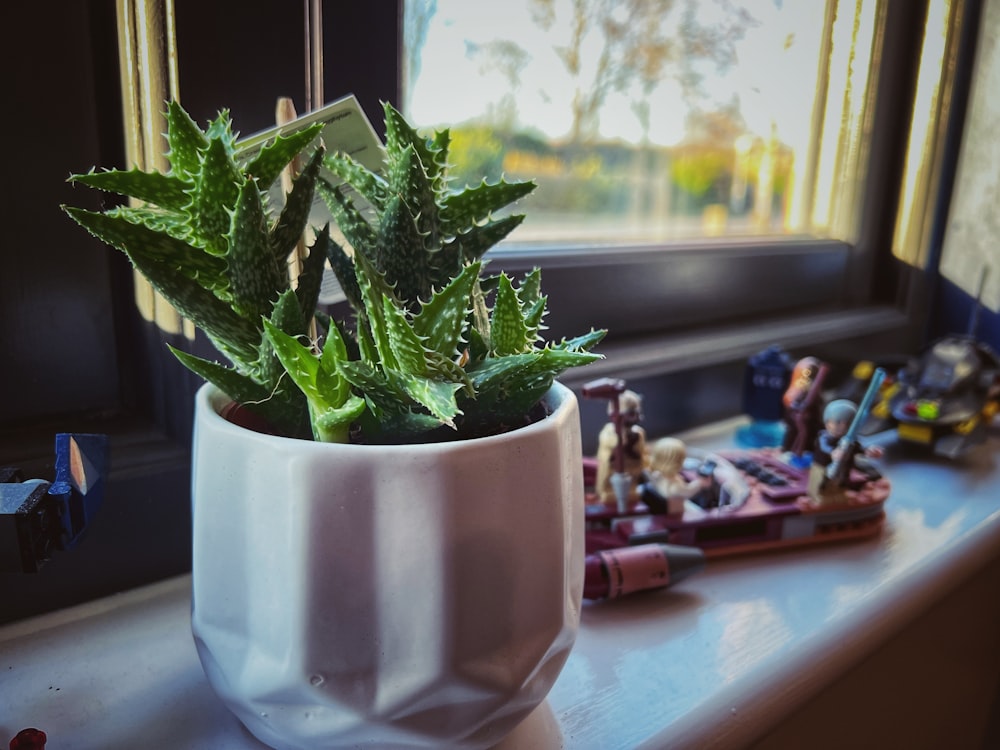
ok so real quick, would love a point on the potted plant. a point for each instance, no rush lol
(394, 554)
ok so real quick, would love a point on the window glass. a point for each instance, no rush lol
(651, 120)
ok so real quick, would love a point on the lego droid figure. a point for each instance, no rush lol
(621, 451)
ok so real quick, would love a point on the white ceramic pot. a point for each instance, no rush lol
(396, 596)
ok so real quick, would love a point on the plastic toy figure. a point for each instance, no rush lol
(838, 451)
(948, 398)
(665, 488)
(621, 451)
(766, 377)
(741, 501)
(803, 404)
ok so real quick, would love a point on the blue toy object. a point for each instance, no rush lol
(37, 517)
(765, 381)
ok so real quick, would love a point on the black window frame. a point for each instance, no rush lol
(681, 318)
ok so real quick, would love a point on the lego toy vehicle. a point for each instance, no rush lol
(947, 399)
(944, 400)
(759, 501)
(737, 501)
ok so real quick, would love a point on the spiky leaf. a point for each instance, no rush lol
(373, 290)
(438, 397)
(310, 279)
(163, 190)
(472, 245)
(441, 320)
(406, 347)
(185, 142)
(332, 408)
(409, 182)
(384, 395)
(215, 192)
(399, 135)
(266, 165)
(478, 203)
(173, 267)
(286, 316)
(292, 222)
(366, 183)
(255, 278)
(401, 255)
(510, 333)
(287, 414)
(352, 223)
(343, 269)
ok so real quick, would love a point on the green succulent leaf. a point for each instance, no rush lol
(409, 183)
(373, 290)
(122, 229)
(174, 268)
(406, 346)
(437, 396)
(310, 279)
(476, 204)
(215, 192)
(295, 215)
(255, 278)
(470, 246)
(286, 414)
(329, 378)
(369, 185)
(401, 255)
(266, 165)
(442, 368)
(343, 269)
(332, 407)
(384, 396)
(168, 191)
(510, 333)
(333, 425)
(441, 320)
(185, 142)
(352, 223)
(512, 385)
(286, 316)
(582, 343)
(399, 134)
(530, 289)
(437, 171)
(220, 129)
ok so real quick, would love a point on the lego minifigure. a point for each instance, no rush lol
(837, 451)
(666, 488)
(803, 405)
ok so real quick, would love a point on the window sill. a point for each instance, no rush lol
(718, 661)
(669, 353)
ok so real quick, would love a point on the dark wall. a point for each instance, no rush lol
(57, 330)
(74, 354)
(229, 59)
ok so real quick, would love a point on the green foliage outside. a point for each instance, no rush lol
(598, 179)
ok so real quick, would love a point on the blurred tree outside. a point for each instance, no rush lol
(610, 52)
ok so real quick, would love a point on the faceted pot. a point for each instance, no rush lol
(395, 596)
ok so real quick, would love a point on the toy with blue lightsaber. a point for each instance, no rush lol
(848, 446)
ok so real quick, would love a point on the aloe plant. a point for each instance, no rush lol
(436, 347)
(204, 236)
